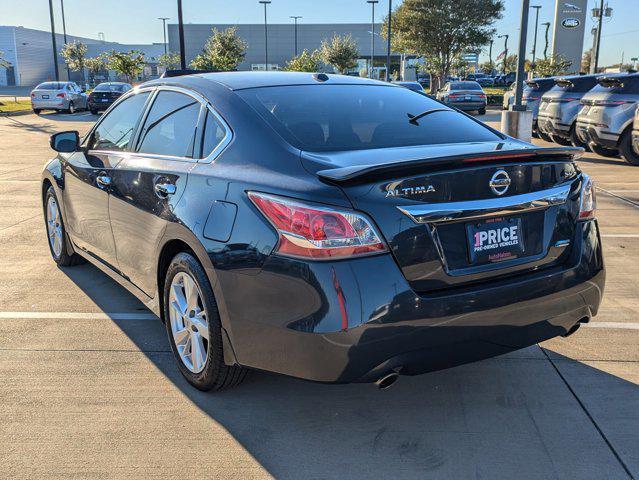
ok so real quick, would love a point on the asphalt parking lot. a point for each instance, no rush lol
(89, 388)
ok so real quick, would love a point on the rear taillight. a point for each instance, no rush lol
(588, 200)
(318, 232)
(482, 95)
(32, 94)
(606, 103)
(61, 95)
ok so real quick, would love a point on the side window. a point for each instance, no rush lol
(116, 129)
(170, 127)
(214, 133)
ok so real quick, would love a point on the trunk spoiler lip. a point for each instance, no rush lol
(346, 174)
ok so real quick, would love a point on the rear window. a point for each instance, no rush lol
(583, 84)
(51, 86)
(465, 86)
(110, 87)
(628, 84)
(356, 117)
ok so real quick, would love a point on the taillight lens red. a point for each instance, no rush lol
(61, 95)
(32, 94)
(588, 200)
(318, 232)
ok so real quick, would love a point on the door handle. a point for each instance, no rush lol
(103, 180)
(163, 190)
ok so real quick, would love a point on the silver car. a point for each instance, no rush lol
(635, 131)
(606, 117)
(531, 97)
(60, 96)
(559, 106)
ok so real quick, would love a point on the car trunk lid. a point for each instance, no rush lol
(448, 214)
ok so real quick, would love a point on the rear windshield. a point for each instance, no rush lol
(628, 84)
(538, 85)
(465, 86)
(582, 84)
(51, 86)
(356, 117)
(110, 87)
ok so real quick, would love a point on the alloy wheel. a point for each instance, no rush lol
(54, 226)
(189, 323)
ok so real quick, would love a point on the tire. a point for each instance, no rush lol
(93, 111)
(58, 242)
(560, 140)
(481, 111)
(71, 109)
(544, 136)
(37, 111)
(574, 139)
(187, 321)
(626, 150)
(603, 151)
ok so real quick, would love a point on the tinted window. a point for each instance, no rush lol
(214, 133)
(575, 84)
(116, 128)
(50, 86)
(465, 86)
(352, 117)
(170, 126)
(628, 84)
(110, 87)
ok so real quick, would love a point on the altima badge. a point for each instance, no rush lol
(396, 192)
(499, 182)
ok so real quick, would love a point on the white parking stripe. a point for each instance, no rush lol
(620, 235)
(621, 325)
(79, 315)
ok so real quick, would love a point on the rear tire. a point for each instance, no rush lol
(626, 150)
(71, 109)
(574, 139)
(481, 111)
(37, 111)
(188, 322)
(544, 136)
(58, 242)
(603, 151)
(560, 140)
(93, 111)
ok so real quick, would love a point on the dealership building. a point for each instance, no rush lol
(281, 42)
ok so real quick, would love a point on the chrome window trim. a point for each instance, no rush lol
(473, 209)
(225, 141)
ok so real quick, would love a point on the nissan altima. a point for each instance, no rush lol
(326, 227)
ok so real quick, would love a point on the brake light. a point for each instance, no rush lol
(32, 94)
(61, 95)
(482, 95)
(588, 200)
(532, 99)
(318, 232)
(453, 95)
(606, 103)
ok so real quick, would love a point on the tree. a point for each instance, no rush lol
(223, 51)
(586, 60)
(441, 30)
(170, 60)
(95, 65)
(340, 52)
(74, 56)
(304, 62)
(487, 66)
(552, 66)
(509, 64)
(129, 64)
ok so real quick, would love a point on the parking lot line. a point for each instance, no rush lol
(620, 235)
(79, 315)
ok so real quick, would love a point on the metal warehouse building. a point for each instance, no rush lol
(281, 41)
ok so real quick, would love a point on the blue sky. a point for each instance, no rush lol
(135, 21)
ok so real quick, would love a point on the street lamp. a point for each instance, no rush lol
(181, 35)
(296, 17)
(388, 40)
(505, 37)
(534, 51)
(490, 55)
(372, 3)
(265, 3)
(164, 19)
(64, 33)
(521, 58)
(55, 47)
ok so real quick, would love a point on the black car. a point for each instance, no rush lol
(104, 94)
(327, 227)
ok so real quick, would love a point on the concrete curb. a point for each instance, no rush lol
(16, 113)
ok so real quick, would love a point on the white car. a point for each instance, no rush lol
(60, 96)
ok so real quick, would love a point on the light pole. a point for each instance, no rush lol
(490, 55)
(265, 3)
(296, 17)
(164, 19)
(534, 51)
(181, 35)
(547, 25)
(388, 40)
(372, 3)
(603, 12)
(64, 34)
(55, 47)
(521, 58)
(505, 37)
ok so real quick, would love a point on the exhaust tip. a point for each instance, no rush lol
(387, 380)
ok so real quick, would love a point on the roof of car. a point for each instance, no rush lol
(242, 80)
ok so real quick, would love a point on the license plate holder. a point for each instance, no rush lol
(45, 97)
(495, 240)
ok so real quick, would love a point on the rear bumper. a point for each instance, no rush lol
(59, 104)
(553, 126)
(468, 106)
(355, 321)
(100, 105)
(588, 133)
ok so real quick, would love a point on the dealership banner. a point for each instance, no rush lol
(568, 37)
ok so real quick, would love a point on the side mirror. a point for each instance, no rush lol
(65, 142)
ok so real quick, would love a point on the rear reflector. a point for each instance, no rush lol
(318, 232)
(588, 202)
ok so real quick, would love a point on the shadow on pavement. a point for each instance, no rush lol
(589, 158)
(509, 417)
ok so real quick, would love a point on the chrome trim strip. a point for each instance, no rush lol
(454, 211)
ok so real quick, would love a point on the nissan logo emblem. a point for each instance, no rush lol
(499, 182)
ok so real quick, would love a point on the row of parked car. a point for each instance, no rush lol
(596, 112)
(69, 97)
